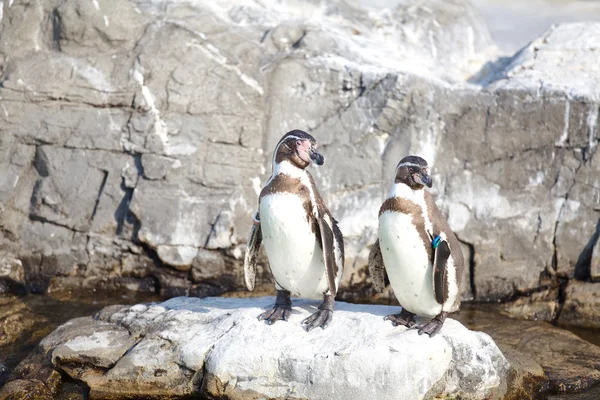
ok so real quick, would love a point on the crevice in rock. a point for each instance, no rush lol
(100, 190)
(212, 230)
(511, 156)
(56, 28)
(264, 36)
(53, 101)
(539, 226)
(338, 113)
(38, 218)
(562, 297)
(123, 213)
(202, 384)
(70, 386)
(297, 43)
(470, 260)
(40, 162)
(558, 219)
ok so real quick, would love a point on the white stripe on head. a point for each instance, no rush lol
(282, 141)
(408, 164)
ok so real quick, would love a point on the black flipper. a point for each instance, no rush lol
(328, 250)
(440, 272)
(253, 246)
(377, 268)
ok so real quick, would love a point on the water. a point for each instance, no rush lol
(54, 311)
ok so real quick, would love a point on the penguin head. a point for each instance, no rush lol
(414, 172)
(299, 148)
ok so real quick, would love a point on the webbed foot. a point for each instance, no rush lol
(432, 327)
(322, 318)
(405, 318)
(281, 310)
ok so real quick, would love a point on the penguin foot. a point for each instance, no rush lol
(322, 317)
(281, 311)
(405, 318)
(432, 327)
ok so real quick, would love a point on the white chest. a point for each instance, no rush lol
(407, 263)
(295, 257)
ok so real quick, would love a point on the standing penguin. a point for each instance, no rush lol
(304, 245)
(421, 254)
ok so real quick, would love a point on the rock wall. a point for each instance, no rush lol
(137, 135)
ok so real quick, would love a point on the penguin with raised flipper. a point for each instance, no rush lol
(302, 240)
(420, 253)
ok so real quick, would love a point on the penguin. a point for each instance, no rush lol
(420, 253)
(302, 240)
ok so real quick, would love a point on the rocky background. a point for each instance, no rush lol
(136, 135)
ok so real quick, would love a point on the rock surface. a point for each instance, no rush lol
(569, 362)
(137, 135)
(582, 307)
(216, 346)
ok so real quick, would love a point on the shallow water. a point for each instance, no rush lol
(59, 310)
(55, 311)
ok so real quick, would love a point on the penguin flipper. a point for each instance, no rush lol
(253, 246)
(440, 272)
(377, 268)
(327, 244)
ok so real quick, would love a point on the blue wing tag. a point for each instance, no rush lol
(436, 242)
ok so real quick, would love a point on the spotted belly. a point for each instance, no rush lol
(407, 264)
(295, 257)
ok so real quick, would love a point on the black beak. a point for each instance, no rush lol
(316, 157)
(424, 179)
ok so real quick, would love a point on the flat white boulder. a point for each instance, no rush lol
(217, 347)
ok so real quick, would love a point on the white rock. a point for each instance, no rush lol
(563, 60)
(217, 345)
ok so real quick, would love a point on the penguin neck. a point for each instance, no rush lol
(287, 168)
(400, 190)
(404, 191)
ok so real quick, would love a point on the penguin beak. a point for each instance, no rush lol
(423, 178)
(316, 157)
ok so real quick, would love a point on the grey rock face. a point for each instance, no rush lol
(216, 346)
(137, 136)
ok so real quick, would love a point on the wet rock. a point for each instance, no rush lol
(538, 306)
(12, 274)
(186, 345)
(36, 368)
(24, 390)
(582, 305)
(569, 363)
(16, 319)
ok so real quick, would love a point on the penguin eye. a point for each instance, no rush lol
(298, 143)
